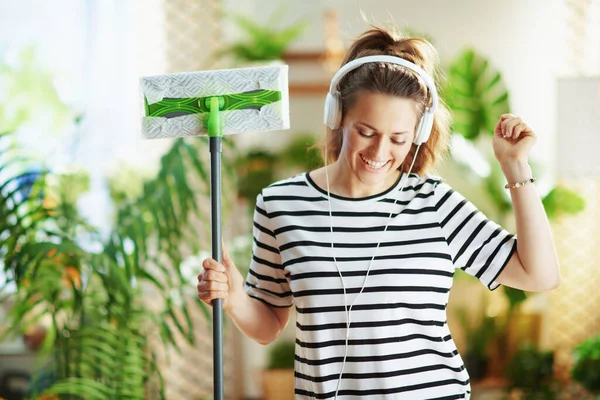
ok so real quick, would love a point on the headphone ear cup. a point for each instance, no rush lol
(333, 112)
(424, 128)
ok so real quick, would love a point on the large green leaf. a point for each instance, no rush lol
(560, 201)
(476, 94)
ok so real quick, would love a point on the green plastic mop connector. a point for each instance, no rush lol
(215, 123)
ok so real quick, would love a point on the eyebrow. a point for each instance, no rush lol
(373, 129)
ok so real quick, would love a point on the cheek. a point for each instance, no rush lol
(402, 153)
(352, 143)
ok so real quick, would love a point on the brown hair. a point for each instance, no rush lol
(394, 80)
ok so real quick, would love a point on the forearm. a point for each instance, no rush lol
(535, 244)
(255, 319)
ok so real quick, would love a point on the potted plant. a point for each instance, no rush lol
(263, 41)
(278, 377)
(478, 336)
(530, 373)
(586, 370)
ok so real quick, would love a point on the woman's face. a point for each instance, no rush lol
(377, 135)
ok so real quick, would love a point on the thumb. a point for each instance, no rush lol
(233, 274)
(227, 260)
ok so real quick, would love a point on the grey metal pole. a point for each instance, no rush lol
(215, 146)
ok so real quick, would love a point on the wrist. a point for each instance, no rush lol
(233, 301)
(516, 170)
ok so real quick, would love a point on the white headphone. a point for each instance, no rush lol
(333, 103)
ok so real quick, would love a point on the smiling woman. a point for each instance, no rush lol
(366, 247)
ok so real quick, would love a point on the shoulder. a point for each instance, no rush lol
(428, 186)
(287, 186)
(426, 183)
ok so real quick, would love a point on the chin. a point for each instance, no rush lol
(375, 178)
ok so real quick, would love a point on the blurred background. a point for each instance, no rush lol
(102, 233)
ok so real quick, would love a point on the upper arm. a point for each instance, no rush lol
(282, 314)
(515, 275)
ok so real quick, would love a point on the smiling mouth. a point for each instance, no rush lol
(374, 164)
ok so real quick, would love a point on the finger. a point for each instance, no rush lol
(503, 126)
(227, 260)
(499, 125)
(210, 263)
(212, 286)
(520, 130)
(510, 127)
(215, 276)
(208, 297)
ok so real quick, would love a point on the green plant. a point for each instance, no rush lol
(302, 152)
(478, 335)
(281, 355)
(586, 370)
(256, 169)
(475, 93)
(94, 288)
(263, 41)
(530, 370)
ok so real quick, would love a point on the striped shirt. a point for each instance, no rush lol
(400, 346)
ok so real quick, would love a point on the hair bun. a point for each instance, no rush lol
(379, 41)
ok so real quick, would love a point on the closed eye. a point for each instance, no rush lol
(400, 143)
(365, 134)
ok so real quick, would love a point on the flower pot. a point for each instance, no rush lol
(278, 384)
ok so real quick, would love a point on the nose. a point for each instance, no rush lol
(381, 147)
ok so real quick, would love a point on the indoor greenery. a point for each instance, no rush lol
(479, 333)
(586, 369)
(263, 41)
(93, 289)
(531, 371)
(281, 355)
(260, 167)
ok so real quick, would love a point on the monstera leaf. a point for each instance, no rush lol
(476, 94)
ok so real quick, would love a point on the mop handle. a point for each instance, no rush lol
(215, 134)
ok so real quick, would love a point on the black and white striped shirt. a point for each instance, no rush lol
(400, 346)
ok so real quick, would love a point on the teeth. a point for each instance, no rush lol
(374, 164)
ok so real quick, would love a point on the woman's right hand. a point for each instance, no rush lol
(220, 281)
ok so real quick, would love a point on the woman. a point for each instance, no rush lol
(365, 248)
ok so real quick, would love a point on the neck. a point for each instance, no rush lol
(343, 182)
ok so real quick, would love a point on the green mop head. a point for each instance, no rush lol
(248, 100)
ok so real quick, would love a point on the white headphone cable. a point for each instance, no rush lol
(346, 308)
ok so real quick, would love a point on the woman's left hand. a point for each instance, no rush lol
(513, 139)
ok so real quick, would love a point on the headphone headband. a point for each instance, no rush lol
(352, 65)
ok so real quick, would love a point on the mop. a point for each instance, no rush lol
(215, 103)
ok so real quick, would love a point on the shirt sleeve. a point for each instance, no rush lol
(266, 280)
(478, 246)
